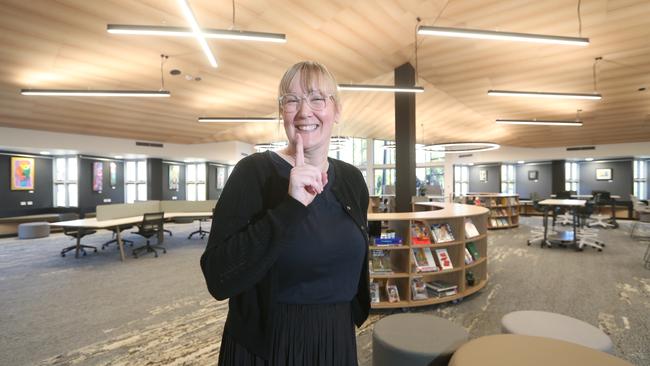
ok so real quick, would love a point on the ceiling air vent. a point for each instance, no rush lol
(581, 148)
(465, 155)
(149, 144)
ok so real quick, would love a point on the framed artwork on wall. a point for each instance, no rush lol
(533, 175)
(482, 175)
(174, 177)
(113, 173)
(604, 174)
(23, 171)
(98, 176)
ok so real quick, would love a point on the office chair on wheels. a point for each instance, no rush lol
(152, 224)
(114, 240)
(601, 198)
(75, 233)
(586, 235)
(202, 233)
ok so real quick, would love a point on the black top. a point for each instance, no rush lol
(320, 265)
(251, 222)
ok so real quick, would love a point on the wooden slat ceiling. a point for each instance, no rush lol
(64, 44)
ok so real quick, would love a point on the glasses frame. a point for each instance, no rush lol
(303, 98)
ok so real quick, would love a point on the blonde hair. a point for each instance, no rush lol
(311, 73)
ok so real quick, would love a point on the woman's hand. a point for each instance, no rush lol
(305, 181)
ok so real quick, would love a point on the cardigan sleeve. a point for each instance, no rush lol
(245, 239)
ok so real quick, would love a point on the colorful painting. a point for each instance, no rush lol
(174, 177)
(98, 176)
(22, 173)
(604, 174)
(113, 173)
(482, 175)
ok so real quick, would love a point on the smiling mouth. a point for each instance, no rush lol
(306, 128)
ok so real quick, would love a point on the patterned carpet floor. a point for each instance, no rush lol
(95, 310)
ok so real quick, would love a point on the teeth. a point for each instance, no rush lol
(306, 127)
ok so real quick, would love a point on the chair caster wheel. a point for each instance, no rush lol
(84, 254)
(600, 250)
(63, 254)
(164, 251)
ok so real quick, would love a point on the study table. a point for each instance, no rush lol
(93, 223)
(571, 204)
(612, 202)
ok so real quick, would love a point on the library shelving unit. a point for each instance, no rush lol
(402, 261)
(504, 208)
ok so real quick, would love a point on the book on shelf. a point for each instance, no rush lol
(441, 289)
(493, 222)
(442, 233)
(423, 259)
(471, 247)
(393, 293)
(420, 233)
(419, 289)
(380, 261)
(468, 257)
(374, 292)
(443, 259)
(388, 237)
(470, 229)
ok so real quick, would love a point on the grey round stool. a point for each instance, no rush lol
(415, 339)
(32, 230)
(556, 326)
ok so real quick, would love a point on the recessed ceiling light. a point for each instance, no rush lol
(589, 159)
(118, 156)
(44, 153)
(520, 162)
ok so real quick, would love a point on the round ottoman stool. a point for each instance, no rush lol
(32, 230)
(414, 340)
(557, 326)
(523, 350)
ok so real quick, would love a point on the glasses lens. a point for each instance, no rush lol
(291, 102)
(316, 101)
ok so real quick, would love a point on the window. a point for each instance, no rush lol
(427, 156)
(195, 182)
(431, 179)
(385, 181)
(571, 176)
(135, 180)
(508, 179)
(640, 179)
(354, 151)
(461, 180)
(384, 152)
(65, 182)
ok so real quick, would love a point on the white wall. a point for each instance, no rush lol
(34, 141)
(509, 154)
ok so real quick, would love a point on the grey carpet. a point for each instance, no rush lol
(156, 311)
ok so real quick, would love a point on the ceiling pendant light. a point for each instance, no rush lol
(196, 30)
(381, 88)
(462, 147)
(532, 94)
(238, 120)
(95, 93)
(543, 122)
(501, 36)
(538, 122)
(162, 93)
(144, 30)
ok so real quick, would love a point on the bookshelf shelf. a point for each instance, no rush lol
(504, 208)
(452, 218)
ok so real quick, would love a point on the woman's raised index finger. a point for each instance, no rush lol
(300, 154)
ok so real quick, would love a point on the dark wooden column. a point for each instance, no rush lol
(404, 139)
(154, 179)
(558, 173)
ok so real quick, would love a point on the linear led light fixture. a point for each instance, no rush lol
(146, 30)
(500, 36)
(238, 119)
(462, 147)
(381, 88)
(539, 122)
(96, 93)
(532, 94)
(196, 30)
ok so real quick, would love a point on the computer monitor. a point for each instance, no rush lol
(563, 195)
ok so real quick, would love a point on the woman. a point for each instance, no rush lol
(288, 244)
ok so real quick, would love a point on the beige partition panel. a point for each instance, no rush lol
(120, 210)
(187, 206)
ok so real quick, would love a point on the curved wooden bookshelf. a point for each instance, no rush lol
(504, 208)
(402, 259)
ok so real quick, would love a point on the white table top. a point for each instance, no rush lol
(562, 202)
(588, 196)
(95, 224)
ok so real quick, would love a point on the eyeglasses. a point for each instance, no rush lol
(316, 101)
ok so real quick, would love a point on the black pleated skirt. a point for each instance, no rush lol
(320, 334)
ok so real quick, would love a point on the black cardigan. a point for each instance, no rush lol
(248, 227)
